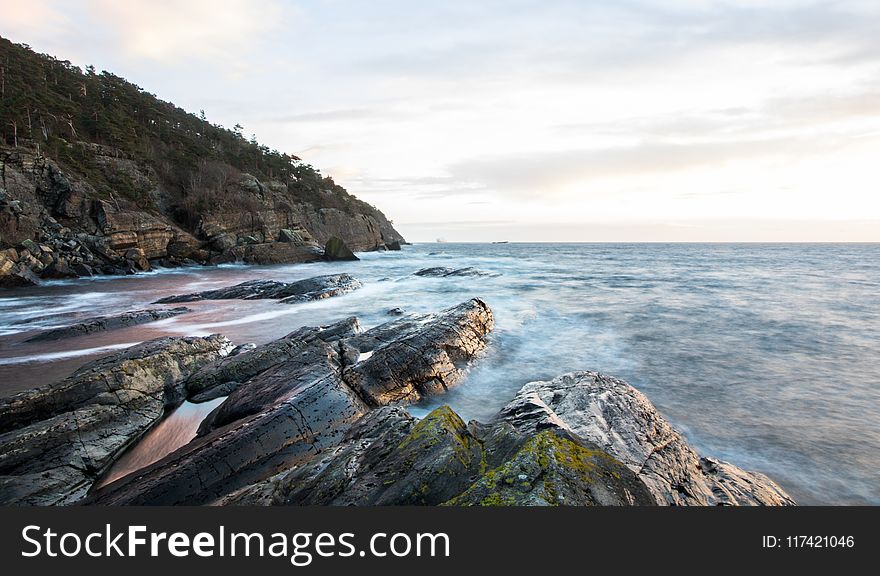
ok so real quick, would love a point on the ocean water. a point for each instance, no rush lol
(766, 355)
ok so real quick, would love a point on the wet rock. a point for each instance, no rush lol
(418, 355)
(389, 458)
(393, 245)
(316, 288)
(623, 422)
(299, 408)
(297, 397)
(336, 249)
(396, 312)
(56, 441)
(443, 272)
(103, 323)
(246, 364)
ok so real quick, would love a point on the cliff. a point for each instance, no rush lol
(98, 176)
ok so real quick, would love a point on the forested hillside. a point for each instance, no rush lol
(120, 149)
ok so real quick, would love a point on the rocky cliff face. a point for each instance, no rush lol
(54, 223)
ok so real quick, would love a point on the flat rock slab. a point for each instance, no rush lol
(623, 422)
(306, 290)
(56, 441)
(104, 323)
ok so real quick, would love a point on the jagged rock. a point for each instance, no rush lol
(56, 441)
(336, 249)
(442, 272)
(396, 312)
(316, 288)
(102, 323)
(395, 245)
(623, 422)
(418, 354)
(295, 400)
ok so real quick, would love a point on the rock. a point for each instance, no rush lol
(395, 245)
(442, 272)
(275, 253)
(137, 258)
(224, 242)
(316, 288)
(59, 268)
(247, 240)
(389, 458)
(56, 441)
(336, 249)
(623, 422)
(14, 275)
(287, 235)
(396, 312)
(246, 364)
(418, 355)
(83, 269)
(298, 408)
(243, 348)
(31, 247)
(297, 397)
(103, 323)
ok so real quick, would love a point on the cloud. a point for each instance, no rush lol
(31, 17)
(219, 31)
(545, 173)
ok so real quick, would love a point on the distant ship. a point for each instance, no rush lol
(501, 242)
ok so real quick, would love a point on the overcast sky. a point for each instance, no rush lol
(528, 120)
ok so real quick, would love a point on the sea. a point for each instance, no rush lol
(764, 355)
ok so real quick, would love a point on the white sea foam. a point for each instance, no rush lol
(65, 354)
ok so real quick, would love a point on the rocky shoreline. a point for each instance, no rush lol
(55, 224)
(319, 417)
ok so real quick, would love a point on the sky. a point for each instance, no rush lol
(520, 120)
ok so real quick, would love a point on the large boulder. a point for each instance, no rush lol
(104, 323)
(316, 288)
(623, 422)
(336, 249)
(56, 441)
